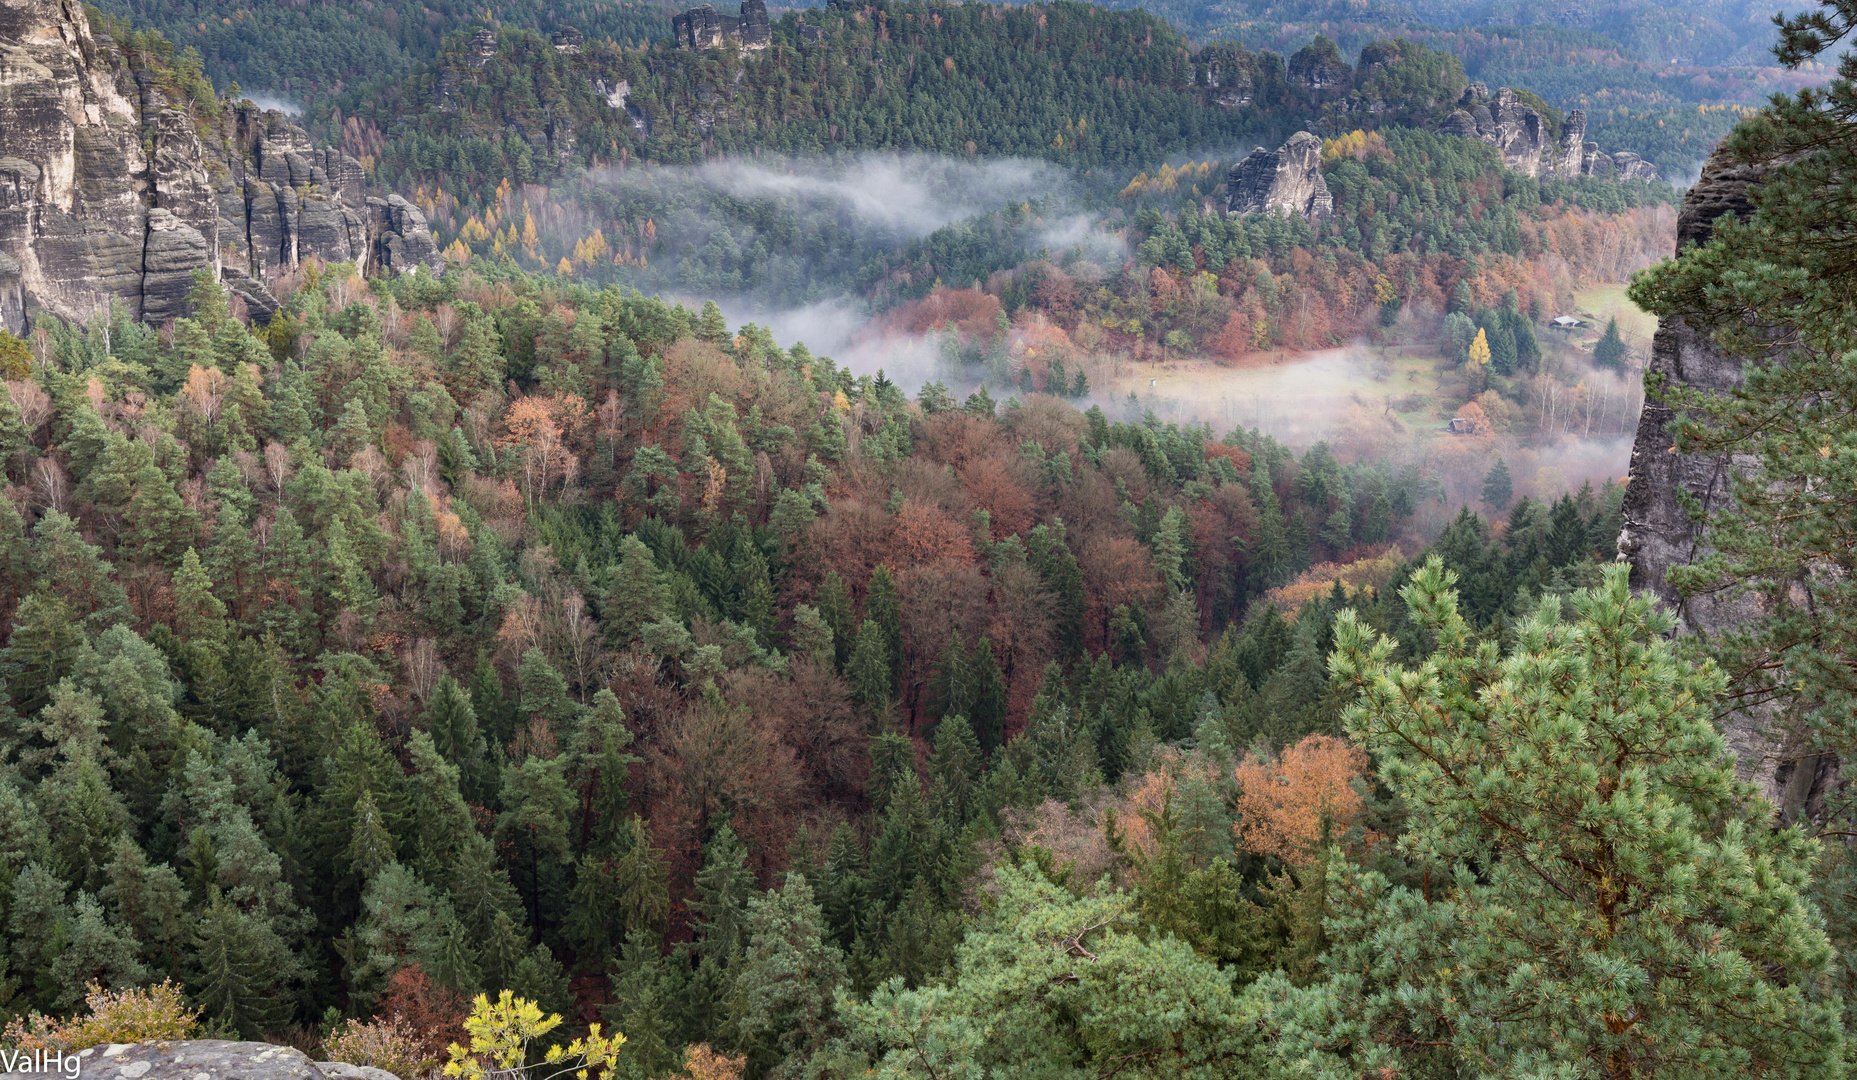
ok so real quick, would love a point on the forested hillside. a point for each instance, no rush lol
(511, 630)
(1067, 81)
(492, 632)
(305, 49)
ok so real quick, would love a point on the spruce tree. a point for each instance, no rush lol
(1498, 489)
(724, 887)
(884, 606)
(869, 668)
(954, 770)
(1609, 350)
(812, 637)
(988, 713)
(634, 594)
(835, 609)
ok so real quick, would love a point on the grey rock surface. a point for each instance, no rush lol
(192, 1059)
(109, 192)
(1287, 180)
(341, 1070)
(1659, 534)
(703, 27)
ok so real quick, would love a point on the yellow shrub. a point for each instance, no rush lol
(141, 1014)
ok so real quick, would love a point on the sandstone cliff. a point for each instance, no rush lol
(1520, 134)
(111, 191)
(1660, 534)
(702, 27)
(1287, 180)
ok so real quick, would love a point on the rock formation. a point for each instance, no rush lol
(201, 1059)
(1520, 134)
(110, 192)
(1287, 180)
(1660, 534)
(702, 27)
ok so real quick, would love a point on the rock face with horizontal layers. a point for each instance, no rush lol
(703, 27)
(1287, 180)
(110, 192)
(196, 1059)
(1659, 534)
(1520, 134)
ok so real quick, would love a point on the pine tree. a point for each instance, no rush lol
(533, 827)
(781, 1003)
(600, 769)
(711, 326)
(352, 587)
(151, 903)
(1009, 980)
(1046, 550)
(199, 615)
(370, 845)
(451, 722)
(90, 949)
(892, 755)
(1270, 556)
(441, 820)
(1502, 354)
(634, 595)
(1677, 932)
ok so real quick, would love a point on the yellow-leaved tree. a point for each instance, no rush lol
(501, 1032)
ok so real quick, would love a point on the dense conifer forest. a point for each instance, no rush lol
(513, 629)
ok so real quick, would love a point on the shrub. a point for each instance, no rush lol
(434, 1011)
(702, 1063)
(136, 1014)
(501, 1032)
(390, 1043)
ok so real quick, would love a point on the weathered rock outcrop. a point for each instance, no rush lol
(703, 27)
(1287, 180)
(202, 1059)
(1520, 134)
(108, 191)
(1659, 534)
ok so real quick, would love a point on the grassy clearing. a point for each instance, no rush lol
(1603, 302)
(1298, 397)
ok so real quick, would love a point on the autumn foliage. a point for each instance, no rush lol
(1284, 806)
